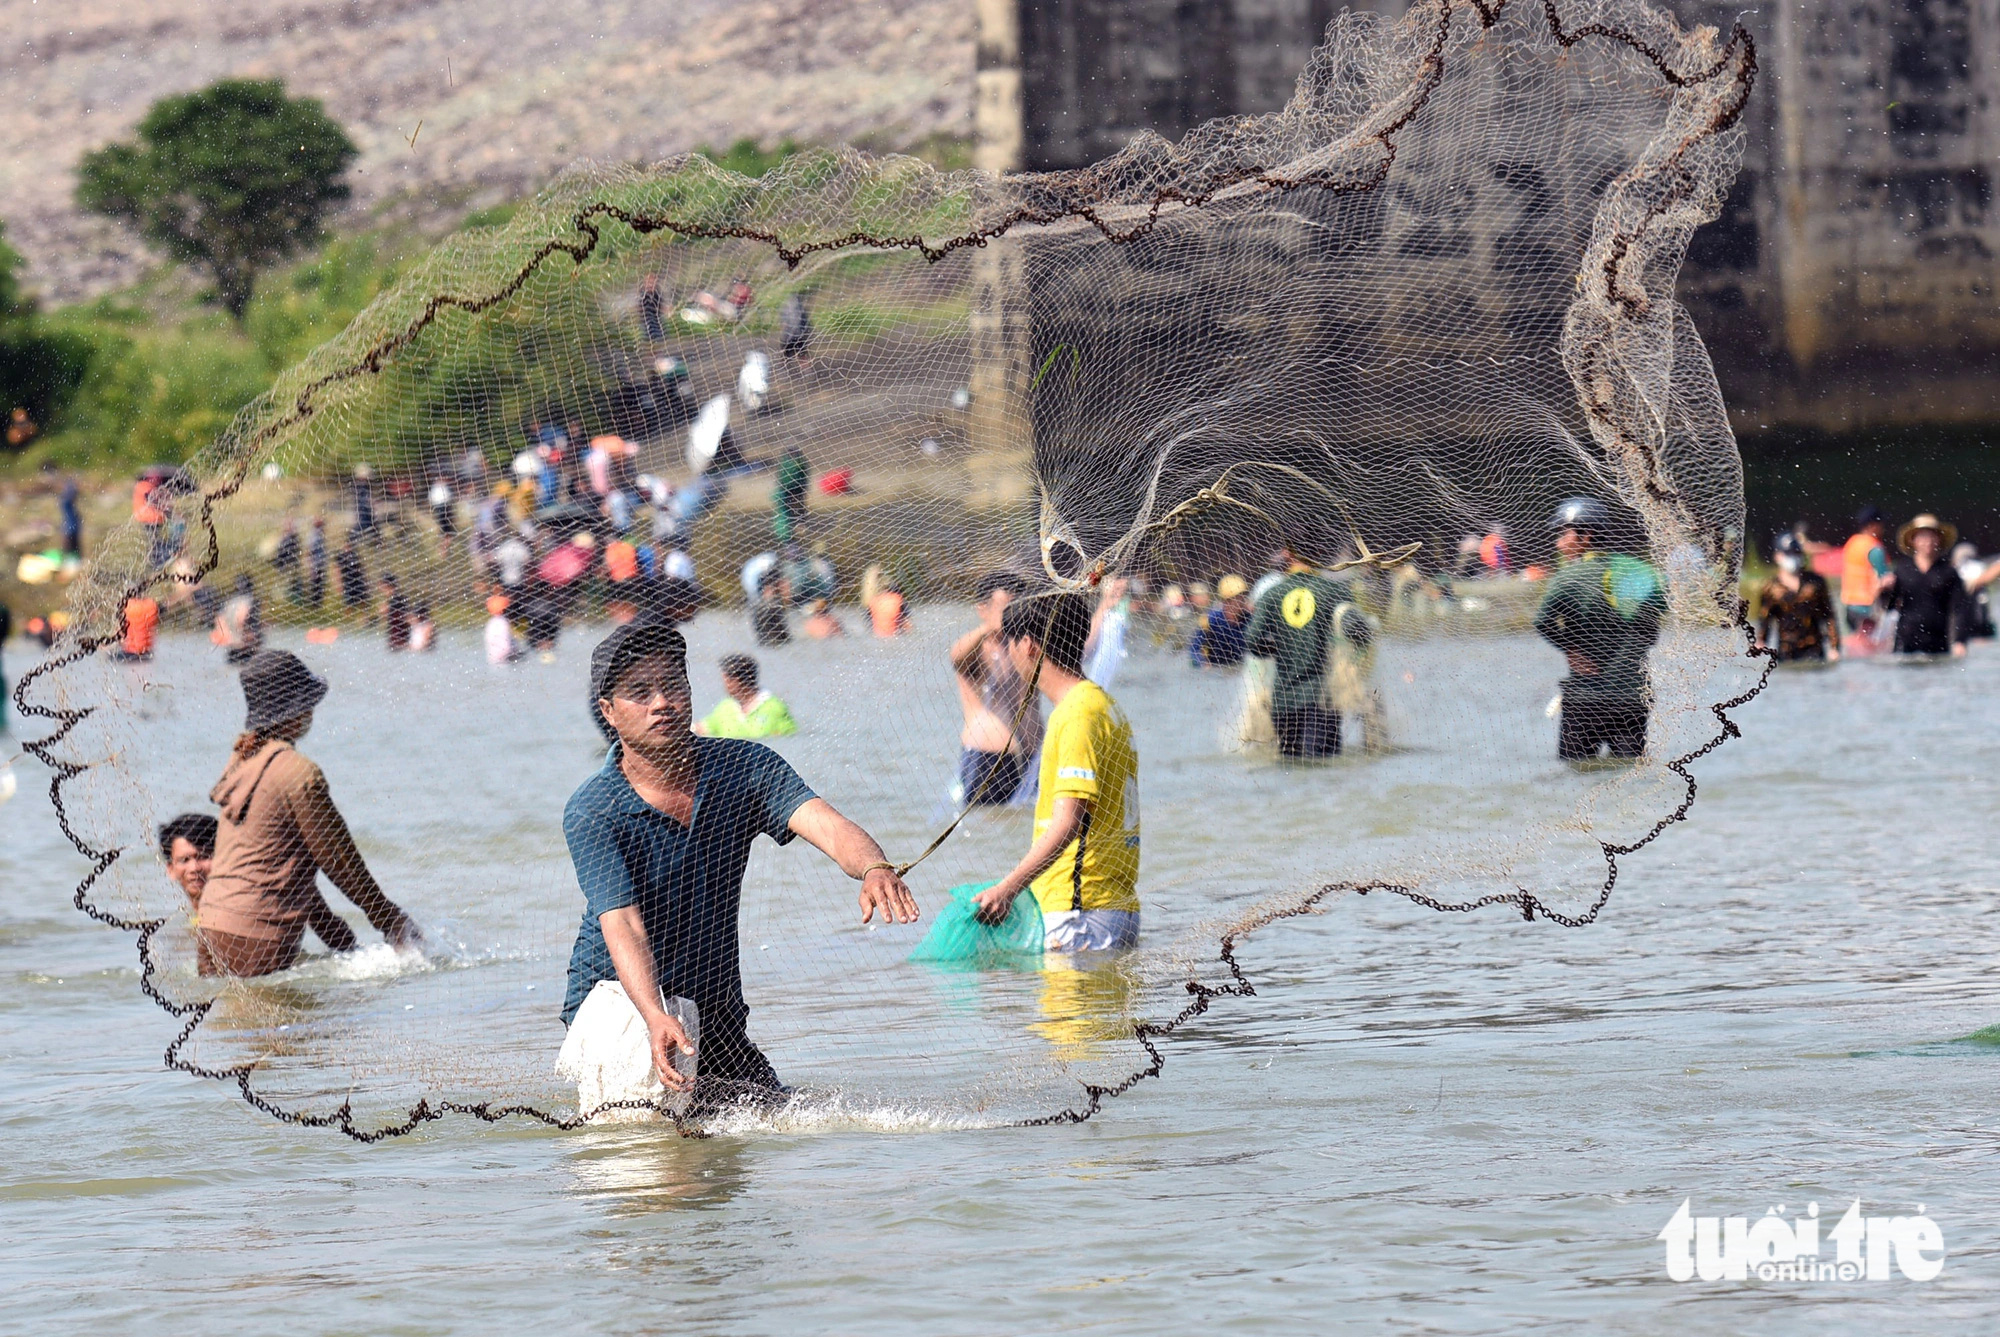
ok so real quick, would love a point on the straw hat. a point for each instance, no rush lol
(1947, 534)
(1230, 586)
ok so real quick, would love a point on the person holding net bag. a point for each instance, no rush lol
(1083, 867)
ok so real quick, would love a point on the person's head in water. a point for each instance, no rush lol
(639, 688)
(1053, 628)
(187, 846)
(739, 677)
(1575, 525)
(994, 592)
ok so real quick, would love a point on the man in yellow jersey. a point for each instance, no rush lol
(1084, 863)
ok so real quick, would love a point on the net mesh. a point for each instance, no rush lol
(1432, 298)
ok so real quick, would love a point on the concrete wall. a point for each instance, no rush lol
(1851, 281)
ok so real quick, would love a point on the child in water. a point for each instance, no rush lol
(1084, 863)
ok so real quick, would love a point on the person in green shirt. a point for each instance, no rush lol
(788, 496)
(745, 712)
(1603, 611)
(1297, 624)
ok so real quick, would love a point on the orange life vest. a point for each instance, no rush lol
(1858, 582)
(142, 618)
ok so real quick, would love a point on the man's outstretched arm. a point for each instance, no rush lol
(858, 856)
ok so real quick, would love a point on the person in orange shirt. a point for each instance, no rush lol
(143, 509)
(621, 568)
(621, 561)
(888, 612)
(142, 623)
(1864, 562)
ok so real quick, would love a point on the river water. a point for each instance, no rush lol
(1435, 1123)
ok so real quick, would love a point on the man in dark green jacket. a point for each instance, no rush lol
(789, 495)
(1603, 611)
(1296, 624)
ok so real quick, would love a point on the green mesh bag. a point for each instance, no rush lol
(958, 939)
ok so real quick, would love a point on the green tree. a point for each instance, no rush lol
(40, 368)
(231, 179)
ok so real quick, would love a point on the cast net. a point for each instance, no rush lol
(1390, 328)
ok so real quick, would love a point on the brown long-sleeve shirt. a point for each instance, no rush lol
(278, 831)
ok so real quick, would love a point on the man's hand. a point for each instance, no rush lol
(1958, 649)
(995, 903)
(669, 1039)
(1833, 654)
(858, 856)
(1064, 822)
(883, 890)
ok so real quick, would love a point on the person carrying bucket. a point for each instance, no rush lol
(1084, 863)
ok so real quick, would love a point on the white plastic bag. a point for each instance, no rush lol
(609, 1055)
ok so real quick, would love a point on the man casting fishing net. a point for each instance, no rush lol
(660, 837)
(1438, 287)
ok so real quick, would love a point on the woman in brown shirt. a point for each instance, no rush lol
(279, 829)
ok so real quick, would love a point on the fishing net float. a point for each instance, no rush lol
(1432, 296)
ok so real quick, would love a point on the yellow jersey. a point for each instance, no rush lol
(1087, 753)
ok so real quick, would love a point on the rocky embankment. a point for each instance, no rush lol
(506, 92)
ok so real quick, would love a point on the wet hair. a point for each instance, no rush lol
(1059, 623)
(196, 828)
(740, 667)
(994, 581)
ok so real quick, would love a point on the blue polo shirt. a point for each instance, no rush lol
(686, 880)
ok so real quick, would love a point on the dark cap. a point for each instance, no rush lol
(1869, 515)
(277, 686)
(624, 647)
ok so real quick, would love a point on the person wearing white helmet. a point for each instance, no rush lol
(1603, 611)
